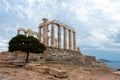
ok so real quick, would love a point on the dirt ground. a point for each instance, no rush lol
(75, 73)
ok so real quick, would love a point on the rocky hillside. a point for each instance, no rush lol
(74, 73)
(9, 70)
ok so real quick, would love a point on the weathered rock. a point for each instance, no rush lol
(17, 55)
(34, 57)
(52, 71)
(19, 62)
(90, 58)
(12, 56)
(21, 55)
(100, 64)
(58, 73)
(6, 64)
(4, 55)
(37, 67)
(117, 73)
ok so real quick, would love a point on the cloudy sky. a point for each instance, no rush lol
(97, 22)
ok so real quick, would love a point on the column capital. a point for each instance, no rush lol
(70, 30)
(74, 32)
(58, 25)
(45, 19)
(40, 26)
(64, 27)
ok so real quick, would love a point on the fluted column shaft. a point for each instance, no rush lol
(45, 32)
(39, 34)
(48, 37)
(52, 35)
(74, 41)
(59, 36)
(65, 39)
(70, 45)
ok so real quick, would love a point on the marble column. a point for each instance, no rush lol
(70, 45)
(45, 31)
(59, 36)
(65, 39)
(42, 34)
(74, 40)
(52, 35)
(39, 33)
(48, 37)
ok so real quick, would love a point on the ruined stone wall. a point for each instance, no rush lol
(90, 60)
(4, 55)
(56, 56)
(63, 56)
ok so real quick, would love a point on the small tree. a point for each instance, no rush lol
(26, 44)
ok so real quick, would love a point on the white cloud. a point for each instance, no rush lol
(100, 18)
(5, 5)
(3, 44)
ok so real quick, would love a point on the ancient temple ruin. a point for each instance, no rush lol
(62, 41)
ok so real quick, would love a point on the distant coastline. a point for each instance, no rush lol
(111, 64)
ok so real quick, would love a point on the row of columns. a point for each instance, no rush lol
(45, 36)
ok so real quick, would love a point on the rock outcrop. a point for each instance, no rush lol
(48, 70)
(58, 73)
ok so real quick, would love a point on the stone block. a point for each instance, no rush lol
(19, 62)
(37, 67)
(58, 73)
(100, 64)
(117, 73)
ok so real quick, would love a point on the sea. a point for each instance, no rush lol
(113, 64)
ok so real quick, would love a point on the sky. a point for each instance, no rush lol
(97, 22)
